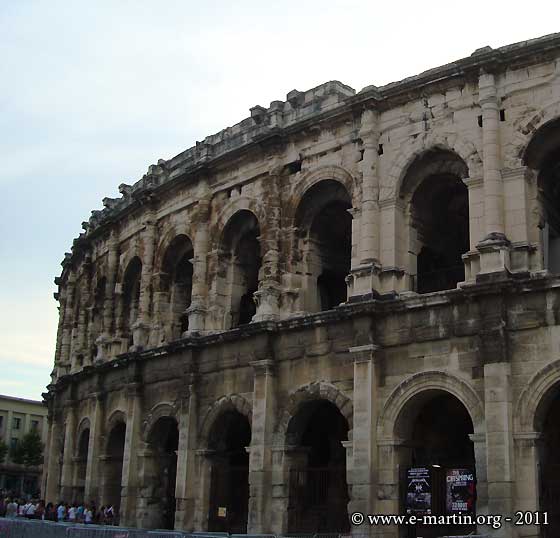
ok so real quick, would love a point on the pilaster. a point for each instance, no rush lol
(499, 441)
(66, 482)
(131, 445)
(362, 465)
(494, 248)
(92, 484)
(260, 456)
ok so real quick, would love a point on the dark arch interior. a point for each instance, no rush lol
(177, 281)
(437, 428)
(164, 442)
(81, 464)
(113, 467)
(323, 217)
(318, 489)
(241, 247)
(229, 490)
(543, 156)
(131, 295)
(550, 466)
(441, 217)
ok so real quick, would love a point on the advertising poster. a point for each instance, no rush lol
(460, 491)
(419, 491)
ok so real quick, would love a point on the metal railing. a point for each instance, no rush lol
(24, 528)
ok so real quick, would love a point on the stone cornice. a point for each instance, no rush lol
(331, 101)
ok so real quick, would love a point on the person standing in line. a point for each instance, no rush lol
(60, 512)
(11, 509)
(72, 513)
(88, 515)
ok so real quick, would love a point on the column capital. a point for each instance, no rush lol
(365, 353)
(263, 367)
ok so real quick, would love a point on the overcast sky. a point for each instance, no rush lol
(91, 93)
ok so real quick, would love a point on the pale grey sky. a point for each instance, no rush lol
(91, 93)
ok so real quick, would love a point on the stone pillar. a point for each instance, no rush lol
(64, 365)
(130, 479)
(394, 245)
(494, 248)
(499, 441)
(186, 487)
(51, 491)
(93, 471)
(198, 309)
(202, 506)
(67, 485)
(268, 295)
(80, 353)
(362, 478)
(364, 278)
(104, 340)
(393, 457)
(260, 455)
(141, 328)
(479, 445)
(527, 478)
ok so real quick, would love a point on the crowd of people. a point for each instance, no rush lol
(87, 513)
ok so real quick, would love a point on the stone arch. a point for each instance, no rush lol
(160, 410)
(235, 402)
(526, 129)
(241, 203)
(167, 238)
(424, 382)
(319, 390)
(116, 417)
(125, 259)
(465, 149)
(532, 402)
(314, 176)
(83, 425)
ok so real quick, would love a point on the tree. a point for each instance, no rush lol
(16, 453)
(32, 448)
(3, 451)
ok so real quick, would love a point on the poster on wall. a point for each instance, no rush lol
(461, 491)
(418, 491)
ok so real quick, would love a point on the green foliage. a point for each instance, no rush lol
(29, 451)
(17, 454)
(3, 451)
(32, 448)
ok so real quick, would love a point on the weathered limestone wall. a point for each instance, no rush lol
(491, 343)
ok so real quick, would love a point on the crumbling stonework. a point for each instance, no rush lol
(337, 261)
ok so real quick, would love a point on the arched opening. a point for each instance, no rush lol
(131, 297)
(438, 473)
(438, 205)
(176, 285)
(549, 456)
(324, 247)
(240, 262)
(543, 156)
(229, 479)
(157, 500)
(81, 465)
(318, 490)
(113, 464)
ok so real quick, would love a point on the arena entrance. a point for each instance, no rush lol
(318, 491)
(550, 468)
(113, 464)
(229, 479)
(160, 473)
(439, 459)
(81, 466)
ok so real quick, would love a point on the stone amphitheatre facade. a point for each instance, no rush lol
(266, 331)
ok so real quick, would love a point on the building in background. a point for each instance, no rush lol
(18, 417)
